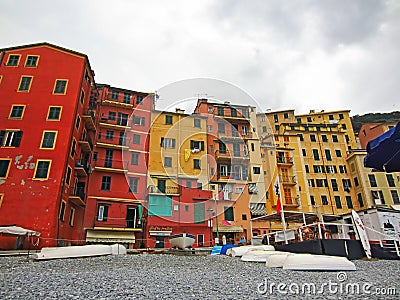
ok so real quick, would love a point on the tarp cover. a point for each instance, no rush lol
(16, 230)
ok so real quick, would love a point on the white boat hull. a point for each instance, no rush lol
(182, 241)
(239, 251)
(277, 260)
(258, 255)
(78, 251)
(313, 262)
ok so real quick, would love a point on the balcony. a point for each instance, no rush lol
(288, 180)
(232, 155)
(119, 124)
(109, 223)
(82, 169)
(77, 196)
(89, 119)
(168, 190)
(284, 160)
(112, 141)
(291, 202)
(86, 144)
(113, 166)
(109, 101)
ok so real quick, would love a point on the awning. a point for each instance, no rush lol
(159, 233)
(258, 209)
(16, 230)
(295, 217)
(106, 236)
(228, 229)
(383, 152)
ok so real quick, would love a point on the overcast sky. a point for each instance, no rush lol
(298, 55)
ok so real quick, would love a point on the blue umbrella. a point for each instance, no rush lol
(383, 152)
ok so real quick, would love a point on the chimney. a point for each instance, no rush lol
(179, 111)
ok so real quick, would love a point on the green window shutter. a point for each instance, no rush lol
(199, 213)
(202, 145)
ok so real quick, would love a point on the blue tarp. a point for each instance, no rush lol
(383, 152)
(216, 250)
(226, 247)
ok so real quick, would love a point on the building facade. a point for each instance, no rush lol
(47, 113)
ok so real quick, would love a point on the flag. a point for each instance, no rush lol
(226, 223)
(278, 193)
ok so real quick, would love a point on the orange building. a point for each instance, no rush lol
(47, 113)
(117, 191)
(371, 131)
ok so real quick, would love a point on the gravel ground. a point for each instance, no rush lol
(188, 277)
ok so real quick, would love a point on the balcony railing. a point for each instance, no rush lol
(82, 168)
(90, 119)
(110, 222)
(77, 196)
(114, 141)
(116, 122)
(284, 160)
(288, 179)
(291, 201)
(111, 165)
(232, 154)
(86, 144)
(167, 190)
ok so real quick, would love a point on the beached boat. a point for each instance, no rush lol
(182, 240)
(239, 251)
(79, 251)
(258, 255)
(312, 262)
(277, 260)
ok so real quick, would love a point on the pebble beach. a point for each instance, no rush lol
(150, 276)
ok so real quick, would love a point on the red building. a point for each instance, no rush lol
(47, 113)
(118, 183)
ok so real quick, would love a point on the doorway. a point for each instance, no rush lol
(160, 241)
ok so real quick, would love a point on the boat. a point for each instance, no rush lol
(277, 260)
(79, 251)
(256, 255)
(182, 240)
(313, 262)
(239, 251)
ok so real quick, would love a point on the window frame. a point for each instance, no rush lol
(71, 217)
(59, 115)
(5, 138)
(8, 168)
(36, 62)
(19, 90)
(169, 120)
(54, 140)
(22, 114)
(134, 180)
(61, 213)
(135, 158)
(65, 88)
(105, 186)
(196, 164)
(169, 164)
(7, 64)
(68, 176)
(36, 168)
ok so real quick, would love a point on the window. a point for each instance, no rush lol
(344, 126)
(252, 147)
(334, 185)
(54, 113)
(106, 183)
(356, 183)
(161, 185)
(324, 138)
(372, 180)
(390, 180)
(77, 122)
(197, 123)
(13, 60)
(276, 119)
(220, 111)
(233, 112)
(133, 184)
(139, 121)
(286, 116)
(264, 129)
(68, 175)
(82, 97)
(320, 182)
(188, 184)
(197, 145)
(312, 138)
(25, 84)
(228, 213)
(108, 158)
(328, 155)
(223, 170)
(338, 202)
(95, 155)
(71, 217)
(221, 128)
(244, 217)
(349, 202)
(48, 140)
(31, 61)
(315, 154)
(135, 158)
(256, 170)
(309, 119)
(360, 200)
(395, 197)
(199, 213)
(244, 130)
(245, 113)
(277, 127)
(312, 199)
(342, 169)
(168, 119)
(341, 117)
(4, 167)
(222, 148)
(112, 115)
(60, 87)
(114, 95)
(338, 153)
(318, 169)
(307, 168)
(10, 138)
(167, 162)
(331, 117)
(136, 139)
(109, 135)
(62, 210)
(196, 164)
(324, 200)
(127, 98)
(335, 138)
(102, 213)
(199, 186)
(210, 128)
(17, 111)
(168, 143)
(42, 169)
(139, 99)
(311, 183)
(73, 148)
